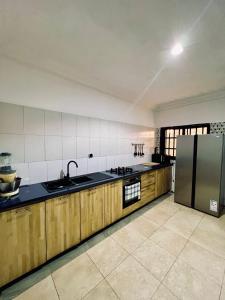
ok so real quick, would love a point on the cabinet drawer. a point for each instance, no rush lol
(148, 178)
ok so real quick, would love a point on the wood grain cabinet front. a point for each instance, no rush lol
(62, 223)
(163, 181)
(148, 186)
(23, 241)
(113, 202)
(92, 214)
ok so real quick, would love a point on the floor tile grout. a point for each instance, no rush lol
(55, 286)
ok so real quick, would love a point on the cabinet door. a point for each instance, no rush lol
(167, 179)
(113, 202)
(62, 223)
(22, 240)
(160, 182)
(163, 181)
(91, 211)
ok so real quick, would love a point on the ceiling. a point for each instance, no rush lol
(121, 47)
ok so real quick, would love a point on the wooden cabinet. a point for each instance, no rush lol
(92, 215)
(22, 241)
(62, 223)
(163, 181)
(148, 187)
(113, 202)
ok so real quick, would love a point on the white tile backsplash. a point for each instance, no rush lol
(82, 166)
(53, 123)
(54, 169)
(34, 148)
(69, 125)
(95, 146)
(34, 121)
(69, 147)
(83, 126)
(38, 171)
(83, 147)
(42, 142)
(13, 143)
(53, 147)
(11, 118)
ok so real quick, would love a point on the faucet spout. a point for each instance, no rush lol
(68, 167)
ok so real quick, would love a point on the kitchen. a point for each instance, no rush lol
(108, 121)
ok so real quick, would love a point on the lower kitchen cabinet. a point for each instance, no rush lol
(163, 181)
(113, 202)
(92, 211)
(62, 223)
(23, 242)
(148, 187)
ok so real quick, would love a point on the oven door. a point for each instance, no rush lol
(131, 191)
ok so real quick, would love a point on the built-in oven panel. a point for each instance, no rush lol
(131, 191)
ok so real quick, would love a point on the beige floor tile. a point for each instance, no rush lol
(157, 260)
(143, 226)
(188, 283)
(102, 291)
(44, 290)
(213, 224)
(170, 206)
(169, 240)
(107, 255)
(77, 278)
(158, 215)
(163, 293)
(183, 222)
(128, 238)
(207, 237)
(132, 281)
(204, 261)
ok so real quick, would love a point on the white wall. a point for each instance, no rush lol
(43, 141)
(24, 85)
(202, 109)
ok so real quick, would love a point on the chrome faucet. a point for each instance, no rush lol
(68, 167)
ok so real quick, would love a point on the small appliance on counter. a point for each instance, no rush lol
(160, 158)
(9, 183)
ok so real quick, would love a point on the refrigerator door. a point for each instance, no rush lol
(184, 170)
(208, 173)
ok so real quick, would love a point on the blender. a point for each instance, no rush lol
(9, 183)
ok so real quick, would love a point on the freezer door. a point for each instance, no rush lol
(208, 173)
(184, 170)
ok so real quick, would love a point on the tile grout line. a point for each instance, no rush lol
(55, 286)
(222, 284)
(187, 241)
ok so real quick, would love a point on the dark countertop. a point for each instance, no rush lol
(34, 193)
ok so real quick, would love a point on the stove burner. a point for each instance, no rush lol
(121, 170)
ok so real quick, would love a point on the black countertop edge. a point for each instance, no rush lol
(35, 193)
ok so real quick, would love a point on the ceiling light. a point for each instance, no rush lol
(177, 49)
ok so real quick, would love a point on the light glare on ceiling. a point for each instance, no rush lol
(177, 49)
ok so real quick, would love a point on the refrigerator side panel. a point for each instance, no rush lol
(184, 170)
(222, 181)
(208, 174)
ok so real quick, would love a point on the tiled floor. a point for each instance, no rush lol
(163, 251)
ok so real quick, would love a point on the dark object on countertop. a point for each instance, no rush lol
(68, 167)
(90, 155)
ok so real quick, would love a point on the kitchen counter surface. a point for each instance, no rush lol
(34, 193)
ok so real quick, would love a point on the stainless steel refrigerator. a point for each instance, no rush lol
(200, 172)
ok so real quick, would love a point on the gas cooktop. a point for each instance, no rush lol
(122, 171)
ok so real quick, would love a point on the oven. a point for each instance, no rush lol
(131, 191)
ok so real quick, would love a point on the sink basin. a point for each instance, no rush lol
(60, 184)
(57, 185)
(81, 179)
